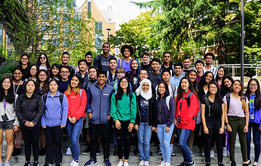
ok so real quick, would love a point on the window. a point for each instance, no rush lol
(66, 29)
(45, 16)
(1, 35)
(98, 34)
(89, 9)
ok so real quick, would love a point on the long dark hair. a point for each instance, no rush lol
(217, 105)
(257, 102)
(10, 98)
(47, 75)
(225, 72)
(202, 82)
(17, 68)
(58, 67)
(224, 89)
(28, 63)
(181, 91)
(29, 74)
(39, 62)
(119, 93)
(166, 88)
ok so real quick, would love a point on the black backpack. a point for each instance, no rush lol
(60, 98)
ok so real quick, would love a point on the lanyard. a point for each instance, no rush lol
(180, 106)
(4, 102)
(15, 90)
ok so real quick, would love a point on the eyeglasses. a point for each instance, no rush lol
(17, 73)
(24, 58)
(42, 75)
(212, 87)
(43, 57)
(64, 72)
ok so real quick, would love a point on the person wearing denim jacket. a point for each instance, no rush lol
(146, 118)
(253, 94)
(165, 121)
(98, 109)
(53, 121)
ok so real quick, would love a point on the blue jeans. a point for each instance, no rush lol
(144, 135)
(164, 139)
(256, 139)
(183, 139)
(74, 131)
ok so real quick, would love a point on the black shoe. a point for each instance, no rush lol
(58, 164)
(115, 153)
(233, 163)
(16, 152)
(48, 164)
(208, 164)
(36, 163)
(221, 164)
(182, 164)
(190, 164)
(42, 152)
(27, 164)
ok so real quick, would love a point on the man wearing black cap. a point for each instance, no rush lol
(101, 62)
(209, 57)
(126, 52)
(155, 75)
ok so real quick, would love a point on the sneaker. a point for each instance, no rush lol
(120, 163)
(72, 163)
(125, 164)
(167, 164)
(202, 153)
(58, 164)
(208, 164)
(27, 164)
(162, 163)
(233, 163)
(107, 162)
(7, 163)
(91, 162)
(75, 163)
(68, 151)
(221, 164)
(159, 153)
(48, 164)
(141, 163)
(146, 163)
(212, 153)
(181, 164)
(173, 153)
(36, 163)
(191, 163)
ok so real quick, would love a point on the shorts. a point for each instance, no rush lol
(86, 124)
(7, 125)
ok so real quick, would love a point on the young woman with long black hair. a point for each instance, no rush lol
(187, 107)
(237, 120)
(212, 115)
(8, 120)
(220, 74)
(29, 110)
(24, 65)
(253, 94)
(43, 63)
(55, 70)
(123, 112)
(33, 71)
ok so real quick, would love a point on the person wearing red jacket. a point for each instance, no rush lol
(77, 100)
(187, 107)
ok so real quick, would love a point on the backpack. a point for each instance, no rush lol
(188, 98)
(228, 100)
(60, 98)
(207, 104)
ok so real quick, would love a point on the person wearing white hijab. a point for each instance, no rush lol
(145, 120)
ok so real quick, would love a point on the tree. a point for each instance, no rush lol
(53, 26)
(139, 33)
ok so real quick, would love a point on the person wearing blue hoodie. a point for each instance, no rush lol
(53, 121)
(98, 109)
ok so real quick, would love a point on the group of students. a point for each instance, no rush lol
(121, 97)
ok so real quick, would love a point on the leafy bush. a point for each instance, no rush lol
(8, 66)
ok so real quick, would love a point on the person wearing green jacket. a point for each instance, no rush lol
(123, 112)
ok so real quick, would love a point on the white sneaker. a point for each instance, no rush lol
(225, 152)
(126, 164)
(146, 163)
(72, 163)
(120, 163)
(162, 163)
(167, 164)
(68, 151)
(75, 163)
(212, 153)
(141, 163)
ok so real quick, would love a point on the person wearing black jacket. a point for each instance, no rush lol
(145, 119)
(29, 110)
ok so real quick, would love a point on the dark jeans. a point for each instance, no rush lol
(31, 138)
(237, 124)
(53, 144)
(123, 135)
(95, 131)
(256, 139)
(213, 133)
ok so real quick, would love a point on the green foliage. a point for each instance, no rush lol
(8, 66)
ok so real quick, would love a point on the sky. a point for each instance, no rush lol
(123, 10)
